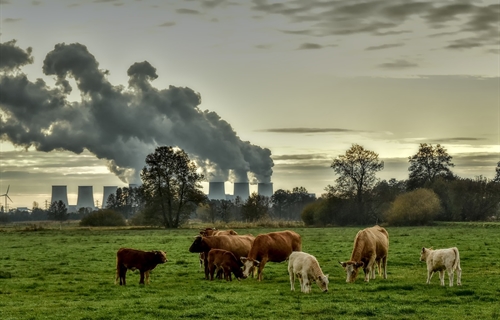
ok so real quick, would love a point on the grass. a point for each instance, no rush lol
(49, 273)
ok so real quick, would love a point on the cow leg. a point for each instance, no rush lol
(441, 277)
(305, 281)
(261, 267)
(301, 281)
(292, 279)
(205, 261)
(384, 265)
(211, 271)
(142, 277)
(459, 276)
(450, 277)
(429, 276)
(147, 276)
(123, 272)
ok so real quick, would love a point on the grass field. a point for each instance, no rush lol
(69, 274)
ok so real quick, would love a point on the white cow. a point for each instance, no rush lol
(307, 269)
(441, 260)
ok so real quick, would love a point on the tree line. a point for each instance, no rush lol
(171, 193)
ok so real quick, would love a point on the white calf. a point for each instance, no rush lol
(307, 268)
(441, 260)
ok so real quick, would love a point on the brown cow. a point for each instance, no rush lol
(132, 259)
(238, 244)
(274, 247)
(371, 246)
(225, 262)
(214, 232)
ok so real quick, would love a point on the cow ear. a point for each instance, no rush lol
(343, 264)
(243, 259)
(423, 249)
(359, 264)
(256, 263)
(326, 276)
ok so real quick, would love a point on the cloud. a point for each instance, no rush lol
(14, 57)
(458, 140)
(11, 20)
(398, 64)
(187, 11)
(308, 46)
(120, 125)
(308, 130)
(302, 157)
(167, 24)
(385, 46)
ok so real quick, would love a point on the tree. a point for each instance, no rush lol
(428, 164)
(497, 175)
(356, 170)
(256, 207)
(418, 207)
(171, 186)
(58, 211)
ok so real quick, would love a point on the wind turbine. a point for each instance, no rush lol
(6, 195)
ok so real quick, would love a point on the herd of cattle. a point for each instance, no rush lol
(224, 253)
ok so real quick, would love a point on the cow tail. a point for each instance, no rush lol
(457, 258)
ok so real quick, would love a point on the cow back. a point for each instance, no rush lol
(276, 246)
(369, 242)
(238, 245)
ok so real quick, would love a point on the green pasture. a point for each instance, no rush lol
(70, 273)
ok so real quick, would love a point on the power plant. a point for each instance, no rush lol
(216, 191)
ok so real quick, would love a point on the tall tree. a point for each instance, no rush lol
(58, 211)
(171, 186)
(356, 170)
(497, 174)
(427, 164)
(256, 207)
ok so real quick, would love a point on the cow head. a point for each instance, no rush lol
(160, 256)
(351, 268)
(238, 273)
(248, 266)
(322, 282)
(198, 245)
(424, 253)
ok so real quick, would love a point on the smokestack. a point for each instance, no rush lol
(108, 190)
(265, 189)
(242, 190)
(85, 197)
(60, 193)
(216, 191)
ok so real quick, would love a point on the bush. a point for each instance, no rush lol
(103, 218)
(418, 207)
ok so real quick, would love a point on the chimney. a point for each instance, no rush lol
(265, 189)
(60, 193)
(108, 190)
(85, 197)
(216, 191)
(242, 190)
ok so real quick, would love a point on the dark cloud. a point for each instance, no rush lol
(187, 11)
(458, 140)
(121, 125)
(11, 20)
(385, 46)
(380, 17)
(309, 46)
(398, 64)
(301, 157)
(307, 130)
(167, 24)
(13, 57)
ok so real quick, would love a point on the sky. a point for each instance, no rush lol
(258, 91)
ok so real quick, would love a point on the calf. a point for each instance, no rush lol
(306, 268)
(136, 259)
(226, 262)
(441, 260)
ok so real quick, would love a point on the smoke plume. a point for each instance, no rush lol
(121, 125)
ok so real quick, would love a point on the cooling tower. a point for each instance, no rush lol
(216, 191)
(265, 189)
(242, 190)
(60, 193)
(85, 197)
(105, 194)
